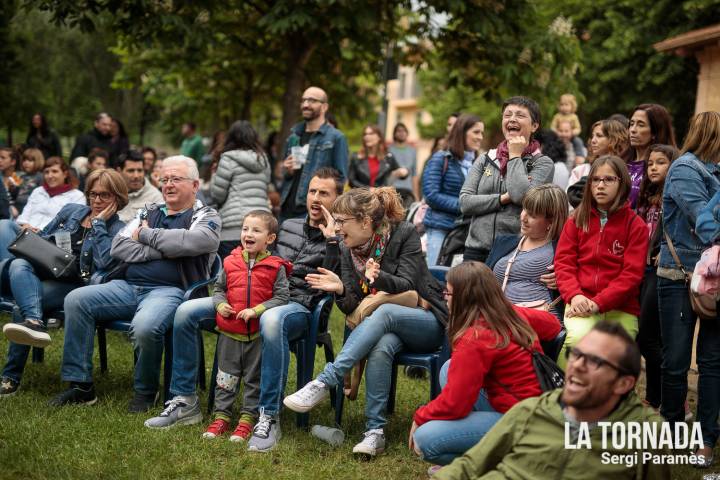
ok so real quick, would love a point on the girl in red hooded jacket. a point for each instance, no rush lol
(600, 258)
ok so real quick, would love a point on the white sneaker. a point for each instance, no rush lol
(373, 443)
(307, 397)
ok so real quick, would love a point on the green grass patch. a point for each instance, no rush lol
(104, 441)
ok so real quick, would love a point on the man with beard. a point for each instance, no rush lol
(98, 137)
(316, 144)
(301, 241)
(529, 441)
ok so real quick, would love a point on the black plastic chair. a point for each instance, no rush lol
(552, 347)
(303, 348)
(124, 326)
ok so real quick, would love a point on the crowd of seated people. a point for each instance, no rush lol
(601, 263)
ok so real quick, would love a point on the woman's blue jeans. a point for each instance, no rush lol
(677, 326)
(33, 297)
(390, 329)
(441, 441)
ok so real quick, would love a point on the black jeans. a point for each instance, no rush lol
(677, 323)
(649, 338)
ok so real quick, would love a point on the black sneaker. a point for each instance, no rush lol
(8, 387)
(75, 395)
(143, 402)
(29, 332)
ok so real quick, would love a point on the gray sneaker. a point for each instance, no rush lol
(177, 412)
(266, 434)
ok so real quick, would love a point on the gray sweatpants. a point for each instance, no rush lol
(237, 360)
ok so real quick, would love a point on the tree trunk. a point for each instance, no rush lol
(248, 97)
(294, 84)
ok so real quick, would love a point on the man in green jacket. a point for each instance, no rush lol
(560, 434)
(192, 145)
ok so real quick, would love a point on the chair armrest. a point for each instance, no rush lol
(196, 286)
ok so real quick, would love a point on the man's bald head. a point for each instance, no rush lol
(316, 92)
(314, 104)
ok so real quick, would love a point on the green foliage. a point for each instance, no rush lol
(620, 67)
(481, 59)
(62, 72)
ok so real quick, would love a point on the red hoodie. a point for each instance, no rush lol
(478, 363)
(604, 264)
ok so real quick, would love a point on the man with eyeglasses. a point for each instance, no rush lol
(140, 192)
(529, 442)
(312, 144)
(165, 250)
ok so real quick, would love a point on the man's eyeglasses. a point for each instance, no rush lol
(173, 180)
(593, 362)
(607, 180)
(311, 100)
(104, 196)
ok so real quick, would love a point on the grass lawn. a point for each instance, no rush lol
(103, 441)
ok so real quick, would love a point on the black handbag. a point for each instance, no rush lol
(48, 260)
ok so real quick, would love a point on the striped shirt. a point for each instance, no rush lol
(524, 283)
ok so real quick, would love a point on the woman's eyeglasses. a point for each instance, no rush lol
(104, 196)
(607, 180)
(340, 222)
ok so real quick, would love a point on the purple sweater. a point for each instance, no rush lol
(637, 171)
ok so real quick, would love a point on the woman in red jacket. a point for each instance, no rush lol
(490, 369)
(600, 258)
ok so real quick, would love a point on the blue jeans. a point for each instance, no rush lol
(33, 297)
(278, 326)
(151, 310)
(390, 329)
(677, 326)
(188, 318)
(441, 441)
(8, 232)
(434, 238)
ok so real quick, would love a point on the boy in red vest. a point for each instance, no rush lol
(251, 282)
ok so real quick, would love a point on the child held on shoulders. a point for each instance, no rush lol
(567, 108)
(251, 282)
(600, 257)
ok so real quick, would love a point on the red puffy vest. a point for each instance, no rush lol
(248, 288)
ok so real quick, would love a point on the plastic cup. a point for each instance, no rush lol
(300, 156)
(329, 435)
(62, 240)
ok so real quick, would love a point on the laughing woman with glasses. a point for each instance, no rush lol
(382, 254)
(91, 230)
(600, 257)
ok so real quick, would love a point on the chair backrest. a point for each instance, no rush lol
(439, 272)
(552, 347)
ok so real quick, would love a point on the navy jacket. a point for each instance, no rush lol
(442, 190)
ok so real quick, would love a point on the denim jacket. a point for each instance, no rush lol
(327, 148)
(689, 186)
(95, 251)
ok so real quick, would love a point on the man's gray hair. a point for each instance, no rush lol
(183, 160)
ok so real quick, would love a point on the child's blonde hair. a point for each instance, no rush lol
(569, 98)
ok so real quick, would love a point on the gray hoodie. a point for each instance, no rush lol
(480, 195)
(239, 186)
